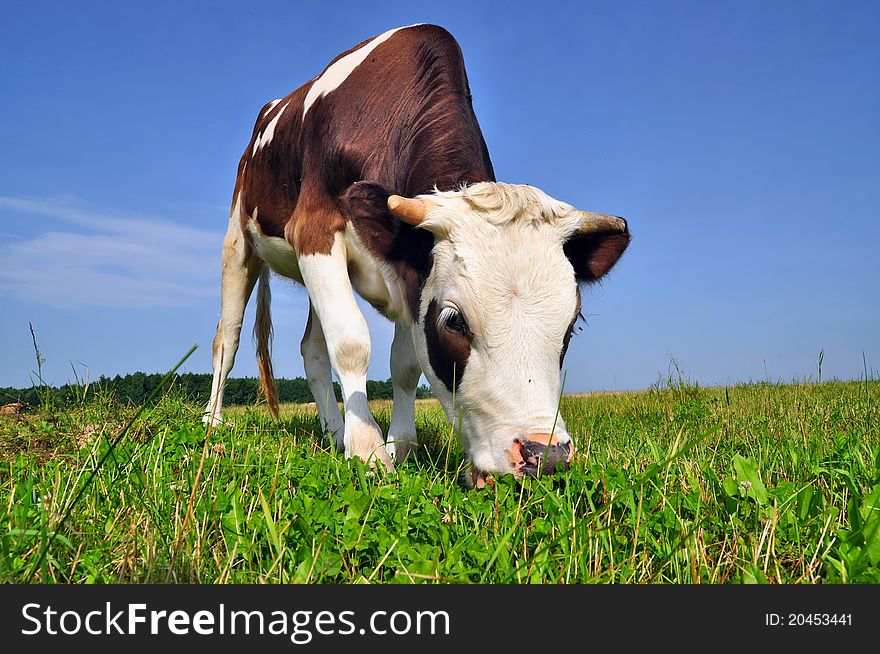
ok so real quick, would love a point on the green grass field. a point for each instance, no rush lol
(757, 483)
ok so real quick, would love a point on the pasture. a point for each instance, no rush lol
(754, 483)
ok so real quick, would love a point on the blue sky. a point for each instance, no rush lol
(740, 139)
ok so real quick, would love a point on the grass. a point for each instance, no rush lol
(755, 483)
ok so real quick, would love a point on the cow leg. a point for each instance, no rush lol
(316, 363)
(348, 344)
(240, 269)
(405, 373)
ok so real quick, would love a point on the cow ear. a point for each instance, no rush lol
(593, 252)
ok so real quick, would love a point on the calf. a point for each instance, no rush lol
(374, 177)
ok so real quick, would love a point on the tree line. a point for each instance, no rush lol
(135, 388)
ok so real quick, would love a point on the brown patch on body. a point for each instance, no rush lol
(408, 137)
(313, 227)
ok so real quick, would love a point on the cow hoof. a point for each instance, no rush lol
(214, 422)
(367, 444)
(400, 448)
(370, 458)
(336, 438)
(382, 456)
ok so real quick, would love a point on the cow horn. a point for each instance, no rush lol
(409, 210)
(592, 223)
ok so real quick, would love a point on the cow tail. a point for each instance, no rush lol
(263, 338)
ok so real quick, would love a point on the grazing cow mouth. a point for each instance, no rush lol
(532, 456)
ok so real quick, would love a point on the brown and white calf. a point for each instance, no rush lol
(374, 177)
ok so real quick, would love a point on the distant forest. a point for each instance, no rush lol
(135, 388)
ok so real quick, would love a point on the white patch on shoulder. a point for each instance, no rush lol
(265, 138)
(336, 74)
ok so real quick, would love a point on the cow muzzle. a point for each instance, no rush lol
(529, 455)
(539, 454)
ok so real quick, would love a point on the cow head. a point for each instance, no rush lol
(494, 271)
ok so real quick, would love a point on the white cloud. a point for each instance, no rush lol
(111, 261)
(89, 259)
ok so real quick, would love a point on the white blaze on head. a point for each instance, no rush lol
(339, 71)
(499, 264)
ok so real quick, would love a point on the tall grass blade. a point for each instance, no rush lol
(111, 445)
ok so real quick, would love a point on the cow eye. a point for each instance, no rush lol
(450, 318)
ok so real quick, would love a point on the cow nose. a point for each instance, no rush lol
(535, 454)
